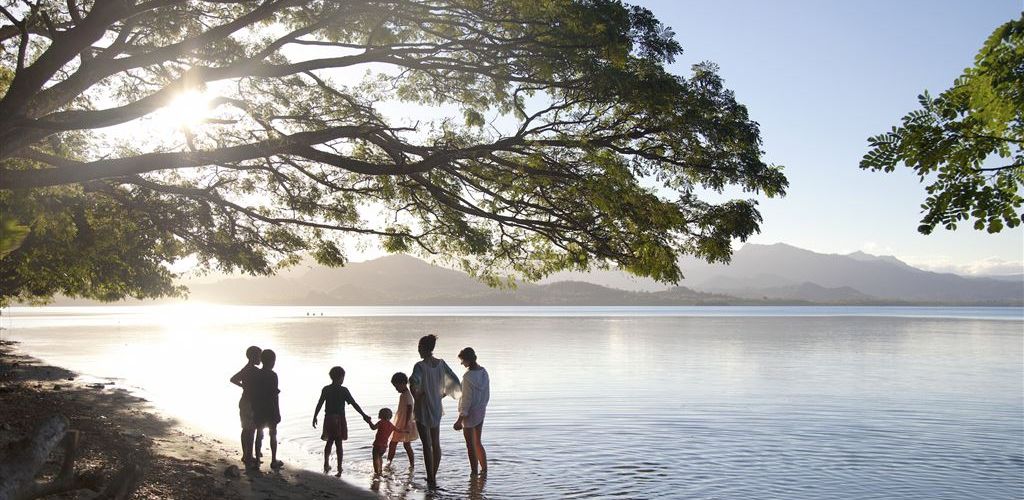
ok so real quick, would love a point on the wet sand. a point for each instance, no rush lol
(116, 428)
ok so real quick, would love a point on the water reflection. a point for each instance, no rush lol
(762, 407)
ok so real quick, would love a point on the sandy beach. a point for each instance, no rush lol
(116, 427)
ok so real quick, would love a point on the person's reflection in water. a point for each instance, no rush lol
(396, 486)
(476, 487)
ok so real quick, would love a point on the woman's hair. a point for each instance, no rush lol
(427, 343)
(384, 413)
(468, 354)
(336, 372)
(399, 378)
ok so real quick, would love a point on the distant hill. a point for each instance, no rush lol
(1005, 277)
(808, 292)
(885, 278)
(404, 280)
(784, 272)
(758, 274)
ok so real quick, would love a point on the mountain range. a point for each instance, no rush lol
(758, 274)
(776, 274)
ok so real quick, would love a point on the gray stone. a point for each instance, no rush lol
(232, 472)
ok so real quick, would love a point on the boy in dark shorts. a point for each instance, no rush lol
(335, 428)
(265, 408)
(243, 379)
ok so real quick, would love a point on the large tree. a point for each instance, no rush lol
(559, 140)
(967, 143)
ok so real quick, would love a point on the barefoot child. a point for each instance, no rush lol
(243, 379)
(265, 407)
(335, 428)
(380, 441)
(405, 423)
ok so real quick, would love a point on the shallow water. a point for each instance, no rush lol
(756, 403)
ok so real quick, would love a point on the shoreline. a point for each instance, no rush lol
(116, 428)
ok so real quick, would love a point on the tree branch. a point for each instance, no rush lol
(76, 172)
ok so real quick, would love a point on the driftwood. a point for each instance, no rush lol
(24, 458)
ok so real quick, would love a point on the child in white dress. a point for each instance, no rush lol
(405, 422)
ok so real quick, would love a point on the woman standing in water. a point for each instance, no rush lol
(476, 391)
(431, 380)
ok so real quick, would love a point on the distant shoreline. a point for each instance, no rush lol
(995, 313)
(66, 302)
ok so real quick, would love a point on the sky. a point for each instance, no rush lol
(820, 78)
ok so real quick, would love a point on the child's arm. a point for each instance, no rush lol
(464, 400)
(237, 378)
(361, 412)
(352, 401)
(319, 404)
(408, 418)
(373, 425)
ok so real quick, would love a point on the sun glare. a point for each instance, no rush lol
(187, 110)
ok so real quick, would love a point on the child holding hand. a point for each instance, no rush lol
(384, 428)
(405, 423)
(335, 429)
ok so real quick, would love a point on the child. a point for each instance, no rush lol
(243, 379)
(405, 423)
(380, 441)
(335, 428)
(265, 408)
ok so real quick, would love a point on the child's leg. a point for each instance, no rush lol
(327, 454)
(337, 445)
(391, 450)
(481, 454)
(408, 450)
(377, 459)
(258, 447)
(273, 444)
(470, 449)
(247, 443)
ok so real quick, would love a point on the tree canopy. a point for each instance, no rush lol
(555, 139)
(968, 142)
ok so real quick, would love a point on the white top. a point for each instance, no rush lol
(430, 384)
(476, 392)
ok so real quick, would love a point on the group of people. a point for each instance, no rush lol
(418, 415)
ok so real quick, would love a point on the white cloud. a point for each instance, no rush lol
(873, 248)
(985, 267)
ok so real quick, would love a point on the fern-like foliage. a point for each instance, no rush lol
(967, 144)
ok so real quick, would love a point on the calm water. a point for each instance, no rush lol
(753, 403)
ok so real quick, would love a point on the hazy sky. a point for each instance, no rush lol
(821, 77)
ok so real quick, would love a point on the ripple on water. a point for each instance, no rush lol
(729, 407)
